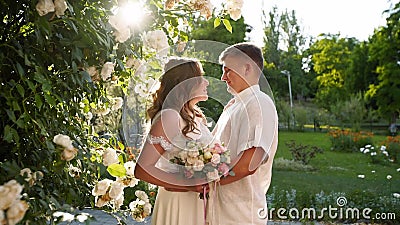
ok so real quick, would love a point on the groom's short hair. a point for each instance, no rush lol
(251, 50)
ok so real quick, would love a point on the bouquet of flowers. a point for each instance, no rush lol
(199, 161)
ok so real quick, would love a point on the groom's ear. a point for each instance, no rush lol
(248, 68)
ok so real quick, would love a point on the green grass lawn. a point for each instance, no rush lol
(335, 171)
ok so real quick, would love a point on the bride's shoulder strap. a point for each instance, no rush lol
(165, 127)
(159, 140)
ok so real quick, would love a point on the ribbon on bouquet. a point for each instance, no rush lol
(205, 204)
(213, 189)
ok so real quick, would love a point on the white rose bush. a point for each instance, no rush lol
(67, 69)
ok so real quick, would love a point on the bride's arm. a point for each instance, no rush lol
(164, 129)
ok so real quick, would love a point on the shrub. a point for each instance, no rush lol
(393, 147)
(291, 165)
(303, 153)
(348, 141)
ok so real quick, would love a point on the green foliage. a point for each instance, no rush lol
(212, 31)
(51, 83)
(384, 51)
(350, 111)
(330, 59)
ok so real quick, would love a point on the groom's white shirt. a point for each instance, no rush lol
(251, 121)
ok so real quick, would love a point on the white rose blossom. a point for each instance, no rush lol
(9, 192)
(213, 176)
(116, 103)
(101, 187)
(142, 195)
(128, 181)
(180, 47)
(60, 7)
(215, 159)
(130, 168)
(74, 171)
(110, 156)
(119, 202)
(198, 165)
(2, 217)
(122, 35)
(27, 173)
(45, 6)
(147, 209)
(107, 70)
(63, 140)
(116, 190)
(133, 205)
(68, 154)
(101, 201)
(234, 8)
(204, 6)
(158, 41)
(16, 212)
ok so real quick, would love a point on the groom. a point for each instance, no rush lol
(249, 129)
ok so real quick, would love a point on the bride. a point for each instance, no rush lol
(176, 120)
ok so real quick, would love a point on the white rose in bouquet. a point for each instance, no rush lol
(213, 176)
(215, 159)
(198, 165)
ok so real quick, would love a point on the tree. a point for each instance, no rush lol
(330, 60)
(284, 46)
(384, 49)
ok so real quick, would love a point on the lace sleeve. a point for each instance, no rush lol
(159, 140)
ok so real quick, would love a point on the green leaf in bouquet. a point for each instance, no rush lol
(231, 173)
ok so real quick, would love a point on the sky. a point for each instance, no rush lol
(350, 18)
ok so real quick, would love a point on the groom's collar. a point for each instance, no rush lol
(247, 93)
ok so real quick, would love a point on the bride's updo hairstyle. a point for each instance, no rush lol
(181, 76)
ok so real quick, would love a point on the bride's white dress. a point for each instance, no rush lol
(178, 208)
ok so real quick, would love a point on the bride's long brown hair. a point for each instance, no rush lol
(179, 79)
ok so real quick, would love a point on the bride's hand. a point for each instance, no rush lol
(200, 188)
